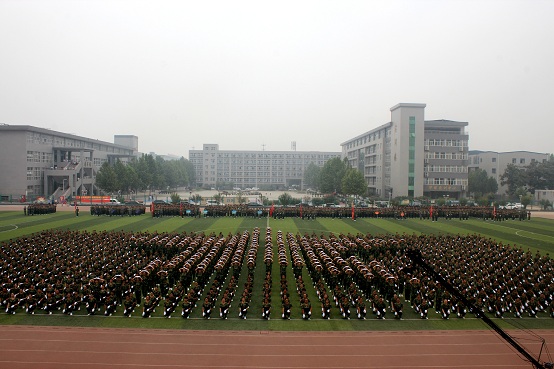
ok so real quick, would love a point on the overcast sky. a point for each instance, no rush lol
(244, 74)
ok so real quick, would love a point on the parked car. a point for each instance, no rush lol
(254, 204)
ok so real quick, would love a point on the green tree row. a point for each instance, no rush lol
(336, 176)
(535, 176)
(145, 173)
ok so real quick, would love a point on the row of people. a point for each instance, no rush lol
(117, 210)
(497, 278)
(39, 208)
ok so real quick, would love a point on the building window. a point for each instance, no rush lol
(522, 161)
(493, 170)
(494, 160)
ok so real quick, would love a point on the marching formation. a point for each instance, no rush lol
(351, 276)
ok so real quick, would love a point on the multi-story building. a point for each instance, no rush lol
(41, 162)
(410, 156)
(254, 169)
(495, 163)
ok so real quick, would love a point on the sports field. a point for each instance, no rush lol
(535, 235)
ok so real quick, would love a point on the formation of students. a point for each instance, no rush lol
(395, 212)
(117, 210)
(433, 213)
(174, 210)
(39, 208)
(107, 273)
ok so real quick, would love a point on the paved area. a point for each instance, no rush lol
(67, 347)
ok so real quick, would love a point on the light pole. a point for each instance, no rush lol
(63, 189)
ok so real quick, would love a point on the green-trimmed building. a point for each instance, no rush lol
(413, 157)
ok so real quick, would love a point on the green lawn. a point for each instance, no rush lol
(535, 235)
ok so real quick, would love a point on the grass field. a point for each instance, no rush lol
(535, 235)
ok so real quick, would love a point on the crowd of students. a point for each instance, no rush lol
(39, 208)
(117, 210)
(117, 272)
(312, 212)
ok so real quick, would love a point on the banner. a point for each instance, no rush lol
(91, 199)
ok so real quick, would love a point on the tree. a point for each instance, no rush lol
(160, 181)
(106, 178)
(197, 199)
(514, 177)
(190, 172)
(330, 180)
(121, 176)
(330, 199)
(353, 183)
(317, 201)
(147, 173)
(132, 178)
(311, 176)
(479, 183)
(175, 198)
(240, 198)
(540, 175)
(545, 204)
(219, 198)
(170, 170)
(526, 200)
(285, 199)
(144, 175)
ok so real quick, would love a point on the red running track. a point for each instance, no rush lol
(64, 347)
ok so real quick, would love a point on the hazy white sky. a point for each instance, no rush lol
(242, 74)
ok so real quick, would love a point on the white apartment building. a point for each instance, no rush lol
(410, 156)
(254, 169)
(495, 163)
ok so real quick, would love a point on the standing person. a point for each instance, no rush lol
(445, 309)
(137, 287)
(76, 211)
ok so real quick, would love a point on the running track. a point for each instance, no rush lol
(65, 347)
